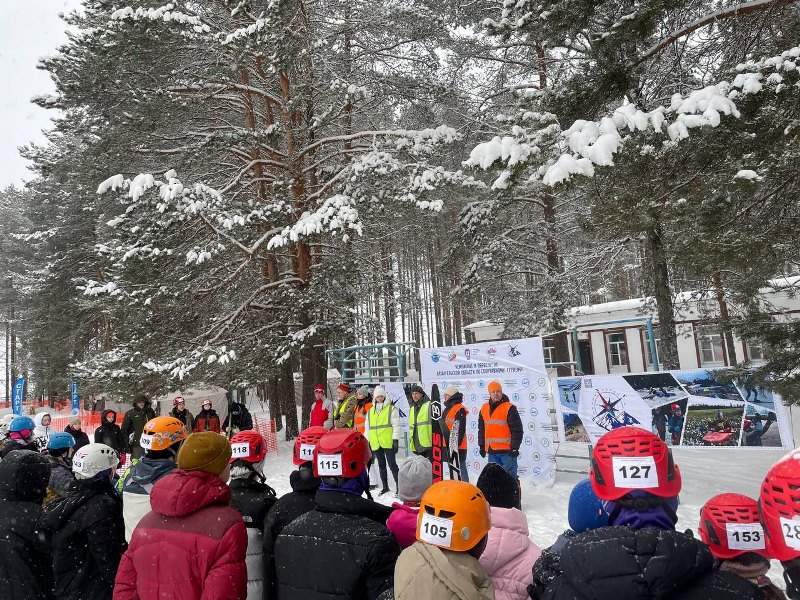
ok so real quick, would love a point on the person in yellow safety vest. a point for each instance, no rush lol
(343, 413)
(383, 432)
(500, 429)
(420, 435)
(452, 413)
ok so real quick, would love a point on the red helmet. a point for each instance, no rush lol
(177, 400)
(249, 446)
(305, 443)
(729, 526)
(779, 507)
(631, 458)
(341, 453)
(319, 388)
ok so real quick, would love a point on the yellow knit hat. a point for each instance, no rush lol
(205, 451)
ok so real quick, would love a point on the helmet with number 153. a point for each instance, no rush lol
(307, 440)
(341, 453)
(453, 515)
(632, 458)
(779, 507)
(729, 526)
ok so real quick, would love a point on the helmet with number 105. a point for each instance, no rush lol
(307, 440)
(453, 515)
(249, 446)
(632, 458)
(729, 526)
(349, 446)
(779, 507)
(161, 433)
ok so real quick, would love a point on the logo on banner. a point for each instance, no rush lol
(474, 397)
(536, 456)
(452, 356)
(513, 352)
(532, 396)
(515, 397)
(468, 384)
(435, 357)
(466, 353)
(531, 425)
(481, 384)
(610, 413)
(536, 470)
(534, 412)
(528, 441)
(545, 442)
(542, 381)
(526, 382)
(471, 438)
(491, 351)
(473, 425)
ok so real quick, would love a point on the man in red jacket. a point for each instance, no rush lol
(192, 545)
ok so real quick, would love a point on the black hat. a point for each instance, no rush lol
(417, 388)
(499, 487)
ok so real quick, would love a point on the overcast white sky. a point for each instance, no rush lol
(29, 29)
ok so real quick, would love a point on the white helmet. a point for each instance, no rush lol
(4, 423)
(93, 459)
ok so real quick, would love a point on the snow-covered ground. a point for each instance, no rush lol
(705, 473)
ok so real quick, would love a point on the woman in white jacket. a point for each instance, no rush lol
(42, 431)
(383, 432)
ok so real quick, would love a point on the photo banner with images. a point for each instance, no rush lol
(519, 367)
(688, 408)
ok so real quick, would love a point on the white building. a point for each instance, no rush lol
(613, 337)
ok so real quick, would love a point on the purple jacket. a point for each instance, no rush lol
(403, 524)
(509, 555)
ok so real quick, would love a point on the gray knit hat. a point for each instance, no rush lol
(414, 479)
(363, 390)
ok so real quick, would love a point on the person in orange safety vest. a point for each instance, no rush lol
(500, 429)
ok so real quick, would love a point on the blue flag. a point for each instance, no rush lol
(76, 408)
(19, 388)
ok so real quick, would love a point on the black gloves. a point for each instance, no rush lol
(515, 453)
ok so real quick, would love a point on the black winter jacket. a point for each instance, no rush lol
(288, 507)
(9, 445)
(25, 561)
(253, 499)
(87, 534)
(514, 424)
(81, 439)
(461, 416)
(647, 564)
(132, 425)
(110, 434)
(340, 550)
(239, 417)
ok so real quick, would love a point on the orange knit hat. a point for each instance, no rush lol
(494, 386)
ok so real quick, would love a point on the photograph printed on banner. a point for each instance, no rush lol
(756, 395)
(760, 427)
(702, 382)
(609, 402)
(569, 393)
(657, 388)
(713, 422)
(668, 421)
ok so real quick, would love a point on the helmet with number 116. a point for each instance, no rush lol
(779, 507)
(632, 458)
(341, 453)
(305, 443)
(453, 515)
(729, 526)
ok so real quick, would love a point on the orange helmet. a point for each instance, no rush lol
(453, 515)
(161, 433)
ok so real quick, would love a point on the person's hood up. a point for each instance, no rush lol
(182, 493)
(24, 475)
(303, 480)
(147, 403)
(37, 419)
(148, 470)
(105, 413)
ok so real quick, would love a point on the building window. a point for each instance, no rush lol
(549, 350)
(709, 340)
(756, 351)
(617, 349)
(648, 359)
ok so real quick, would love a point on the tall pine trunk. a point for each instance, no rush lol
(659, 271)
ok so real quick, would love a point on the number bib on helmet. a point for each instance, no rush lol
(791, 532)
(77, 464)
(635, 472)
(240, 450)
(745, 536)
(329, 465)
(146, 441)
(436, 531)
(307, 452)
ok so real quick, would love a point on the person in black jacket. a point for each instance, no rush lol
(342, 548)
(238, 419)
(74, 429)
(455, 412)
(133, 424)
(86, 528)
(25, 561)
(109, 433)
(640, 555)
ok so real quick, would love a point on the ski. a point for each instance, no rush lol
(438, 442)
(455, 459)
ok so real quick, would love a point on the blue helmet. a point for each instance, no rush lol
(21, 423)
(60, 441)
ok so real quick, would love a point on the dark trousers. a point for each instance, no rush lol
(384, 454)
(426, 452)
(462, 459)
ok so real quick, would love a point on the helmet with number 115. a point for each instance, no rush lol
(779, 507)
(632, 458)
(453, 515)
(349, 446)
(729, 526)
(305, 443)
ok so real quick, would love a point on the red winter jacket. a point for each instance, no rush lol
(321, 414)
(192, 546)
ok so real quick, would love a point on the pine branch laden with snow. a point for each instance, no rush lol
(593, 144)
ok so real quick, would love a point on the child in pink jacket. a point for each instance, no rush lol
(509, 554)
(415, 477)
